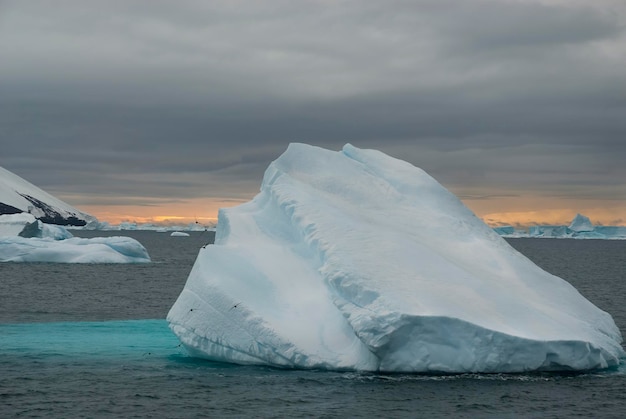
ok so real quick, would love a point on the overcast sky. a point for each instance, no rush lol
(518, 107)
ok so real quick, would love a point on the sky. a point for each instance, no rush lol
(162, 111)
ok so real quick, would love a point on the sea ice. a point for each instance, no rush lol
(354, 260)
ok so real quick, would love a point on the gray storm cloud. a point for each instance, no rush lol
(116, 97)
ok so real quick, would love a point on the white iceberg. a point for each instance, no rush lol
(179, 234)
(26, 239)
(40, 230)
(354, 260)
(73, 250)
(13, 224)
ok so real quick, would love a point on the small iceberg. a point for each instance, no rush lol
(179, 234)
(581, 224)
(26, 239)
(74, 250)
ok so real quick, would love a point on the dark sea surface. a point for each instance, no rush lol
(91, 341)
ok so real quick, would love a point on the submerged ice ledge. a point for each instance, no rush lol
(354, 260)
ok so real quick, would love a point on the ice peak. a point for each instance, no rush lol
(581, 223)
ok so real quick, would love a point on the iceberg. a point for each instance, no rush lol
(354, 260)
(579, 228)
(73, 250)
(580, 224)
(40, 230)
(179, 234)
(506, 231)
(23, 238)
(611, 232)
(13, 224)
(552, 231)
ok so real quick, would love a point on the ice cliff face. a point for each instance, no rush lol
(19, 196)
(355, 260)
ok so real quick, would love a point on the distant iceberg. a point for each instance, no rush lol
(26, 239)
(354, 260)
(581, 224)
(179, 234)
(74, 250)
(105, 226)
(580, 228)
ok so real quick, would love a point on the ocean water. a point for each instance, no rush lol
(91, 341)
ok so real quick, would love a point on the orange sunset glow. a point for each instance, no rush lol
(202, 211)
(528, 210)
(518, 211)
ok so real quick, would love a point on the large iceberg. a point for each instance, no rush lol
(354, 260)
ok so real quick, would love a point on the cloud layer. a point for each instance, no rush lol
(147, 101)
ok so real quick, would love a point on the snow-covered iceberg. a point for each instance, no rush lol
(13, 224)
(355, 260)
(40, 230)
(26, 239)
(73, 250)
